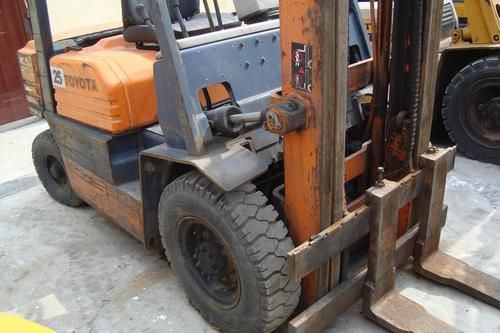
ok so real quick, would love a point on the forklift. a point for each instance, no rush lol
(244, 146)
(468, 95)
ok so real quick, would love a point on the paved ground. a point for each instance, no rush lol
(73, 271)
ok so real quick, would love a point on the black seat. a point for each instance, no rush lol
(135, 31)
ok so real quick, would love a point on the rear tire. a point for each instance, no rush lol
(249, 244)
(471, 110)
(49, 166)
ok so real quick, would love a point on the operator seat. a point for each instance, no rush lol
(136, 31)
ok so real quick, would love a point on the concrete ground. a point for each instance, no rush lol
(73, 271)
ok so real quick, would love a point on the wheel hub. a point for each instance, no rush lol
(56, 171)
(479, 115)
(492, 110)
(210, 260)
(211, 264)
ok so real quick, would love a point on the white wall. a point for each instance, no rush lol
(67, 15)
(225, 5)
(70, 15)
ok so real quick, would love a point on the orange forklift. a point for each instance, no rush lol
(243, 146)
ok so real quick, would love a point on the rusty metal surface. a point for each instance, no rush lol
(314, 173)
(113, 202)
(285, 117)
(453, 272)
(381, 303)
(411, 188)
(318, 316)
(429, 261)
(331, 241)
(405, 246)
(383, 235)
(328, 243)
(436, 164)
(360, 75)
(430, 63)
(381, 63)
(355, 164)
(399, 314)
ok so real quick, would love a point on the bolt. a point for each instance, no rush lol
(380, 177)
(247, 64)
(273, 120)
(262, 60)
(257, 41)
(432, 150)
(149, 167)
(316, 237)
(241, 45)
(480, 107)
(275, 37)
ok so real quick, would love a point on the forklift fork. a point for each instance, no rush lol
(381, 302)
(429, 260)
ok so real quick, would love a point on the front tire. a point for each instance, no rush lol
(49, 166)
(471, 110)
(229, 251)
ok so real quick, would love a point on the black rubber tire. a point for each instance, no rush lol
(256, 240)
(45, 147)
(454, 110)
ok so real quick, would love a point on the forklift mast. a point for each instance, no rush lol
(403, 212)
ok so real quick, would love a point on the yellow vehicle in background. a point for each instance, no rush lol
(449, 22)
(462, 14)
(468, 95)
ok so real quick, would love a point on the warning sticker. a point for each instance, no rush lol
(302, 67)
(58, 80)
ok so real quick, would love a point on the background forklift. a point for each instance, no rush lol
(468, 93)
(238, 170)
(461, 13)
